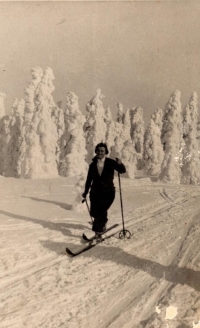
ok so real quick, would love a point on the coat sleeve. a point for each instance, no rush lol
(119, 167)
(88, 181)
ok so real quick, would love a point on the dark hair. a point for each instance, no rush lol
(101, 144)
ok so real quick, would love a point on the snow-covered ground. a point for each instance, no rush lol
(151, 280)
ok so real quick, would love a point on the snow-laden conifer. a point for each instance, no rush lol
(120, 113)
(73, 163)
(40, 159)
(172, 140)
(5, 123)
(126, 128)
(57, 115)
(137, 128)
(118, 128)
(128, 157)
(119, 120)
(110, 133)
(198, 137)
(2, 107)
(124, 147)
(137, 133)
(116, 150)
(33, 158)
(191, 161)
(29, 92)
(153, 148)
(95, 126)
(17, 144)
(46, 128)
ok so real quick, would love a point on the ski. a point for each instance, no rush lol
(89, 246)
(82, 250)
(93, 237)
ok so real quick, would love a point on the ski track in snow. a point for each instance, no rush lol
(118, 283)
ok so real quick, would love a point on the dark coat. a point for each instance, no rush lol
(103, 182)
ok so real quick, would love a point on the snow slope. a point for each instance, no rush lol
(120, 283)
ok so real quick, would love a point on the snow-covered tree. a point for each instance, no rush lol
(119, 120)
(17, 144)
(153, 148)
(29, 92)
(186, 121)
(128, 157)
(95, 126)
(110, 133)
(2, 107)
(191, 161)
(172, 140)
(116, 150)
(4, 141)
(46, 128)
(40, 157)
(120, 113)
(137, 133)
(33, 159)
(73, 162)
(121, 131)
(58, 119)
(4, 134)
(57, 115)
(118, 128)
(32, 147)
(126, 128)
(6, 123)
(198, 137)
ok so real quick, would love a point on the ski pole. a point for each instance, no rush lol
(124, 233)
(85, 200)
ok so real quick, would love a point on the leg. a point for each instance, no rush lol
(100, 203)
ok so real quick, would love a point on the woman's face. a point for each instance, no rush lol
(101, 152)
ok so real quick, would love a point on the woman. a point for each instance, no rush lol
(100, 182)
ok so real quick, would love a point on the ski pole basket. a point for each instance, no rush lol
(124, 234)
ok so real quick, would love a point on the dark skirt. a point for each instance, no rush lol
(99, 205)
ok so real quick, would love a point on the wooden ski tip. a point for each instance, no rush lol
(85, 237)
(69, 252)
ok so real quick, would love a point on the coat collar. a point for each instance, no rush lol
(95, 159)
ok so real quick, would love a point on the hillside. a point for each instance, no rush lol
(151, 280)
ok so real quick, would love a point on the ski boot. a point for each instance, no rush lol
(98, 237)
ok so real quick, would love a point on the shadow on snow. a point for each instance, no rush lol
(61, 227)
(62, 205)
(172, 273)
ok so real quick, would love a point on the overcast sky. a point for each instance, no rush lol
(138, 53)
